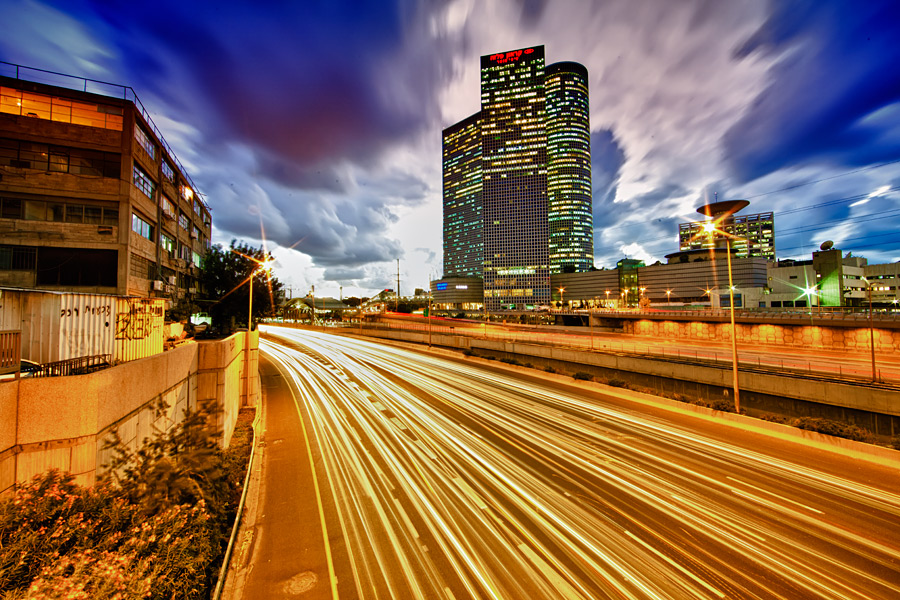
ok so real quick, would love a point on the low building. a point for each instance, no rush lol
(92, 199)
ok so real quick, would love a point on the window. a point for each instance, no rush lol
(42, 106)
(183, 221)
(184, 252)
(195, 232)
(144, 141)
(167, 171)
(168, 244)
(197, 259)
(10, 208)
(141, 227)
(143, 182)
(17, 258)
(168, 207)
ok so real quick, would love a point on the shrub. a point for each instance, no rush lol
(468, 352)
(616, 383)
(583, 376)
(834, 428)
(895, 442)
(551, 369)
(510, 361)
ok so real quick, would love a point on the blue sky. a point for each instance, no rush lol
(320, 122)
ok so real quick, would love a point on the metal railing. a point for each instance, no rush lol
(10, 351)
(95, 86)
(74, 366)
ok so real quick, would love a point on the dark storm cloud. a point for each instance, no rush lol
(531, 11)
(834, 95)
(607, 158)
(311, 96)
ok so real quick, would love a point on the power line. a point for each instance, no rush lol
(793, 187)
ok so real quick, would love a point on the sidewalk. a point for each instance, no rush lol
(280, 550)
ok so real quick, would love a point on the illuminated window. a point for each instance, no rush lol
(144, 141)
(141, 227)
(143, 182)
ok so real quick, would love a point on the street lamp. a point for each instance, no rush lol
(562, 290)
(871, 329)
(668, 299)
(607, 298)
(710, 228)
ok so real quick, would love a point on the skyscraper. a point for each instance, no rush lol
(463, 227)
(514, 189)
(518, 174)
(571, 242)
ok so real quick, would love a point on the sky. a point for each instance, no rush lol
(316, 125)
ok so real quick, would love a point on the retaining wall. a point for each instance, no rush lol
(63, 422)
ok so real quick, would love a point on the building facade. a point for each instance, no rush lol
(91, 197)
(569, 196)
(752, 235)
(463, 225)
(514, 190)
(517, 180)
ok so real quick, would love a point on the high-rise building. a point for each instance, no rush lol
(571, 242)
(92, 199)
(497, 168)
(516, 267)
(463, 226)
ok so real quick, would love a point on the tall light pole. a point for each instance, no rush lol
(562, 291)
(429, 315)
(607, 298)
(710, 228)
(871, 329)
(668, 299)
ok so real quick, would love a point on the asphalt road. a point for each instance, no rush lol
(446, 479)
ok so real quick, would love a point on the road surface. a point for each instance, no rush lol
(450, 480)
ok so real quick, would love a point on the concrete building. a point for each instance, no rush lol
(751, 235)
(92, 199)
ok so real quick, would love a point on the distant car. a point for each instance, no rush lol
(27, 368)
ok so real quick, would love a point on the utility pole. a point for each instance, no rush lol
(398, 285)
(313, 320)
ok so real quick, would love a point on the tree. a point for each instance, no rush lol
(224, 279)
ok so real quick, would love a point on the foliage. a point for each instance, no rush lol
(895, 442)
(583, 376)
(510, 361)
(835, 428)
(154, 528)
(224, 279)
(616, 383)
(551, 369)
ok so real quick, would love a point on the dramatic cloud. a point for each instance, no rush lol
(318, 124)
(834, 95)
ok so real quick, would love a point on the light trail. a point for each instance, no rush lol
(453, 481)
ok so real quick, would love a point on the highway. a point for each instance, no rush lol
(449, 479)
(841, 364)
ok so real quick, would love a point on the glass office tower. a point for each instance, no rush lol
(463, 244)
(571, 229)
(514, 187)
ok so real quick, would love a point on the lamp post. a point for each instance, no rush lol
(562, 291)
(710, 228)
(871, 329)
(607, 298)
(429, 315)
(668, 299)
(591, 323)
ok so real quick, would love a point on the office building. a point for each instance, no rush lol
(569, 210)
(92, 199)
(524, 132)
(751, 235)
(463, 227)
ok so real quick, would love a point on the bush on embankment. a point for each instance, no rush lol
(156, 527)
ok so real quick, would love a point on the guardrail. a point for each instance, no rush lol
(74, 366)
(10, 351)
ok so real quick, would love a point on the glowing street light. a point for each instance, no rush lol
(562, 290)
(668, 299)
(871, 329)
(710, 228)
(607, 298)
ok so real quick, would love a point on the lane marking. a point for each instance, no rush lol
(331, 574)
(715, 591)
(551, 574)
(470, 492)
(809, 508)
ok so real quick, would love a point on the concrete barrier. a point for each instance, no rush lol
(64, 422)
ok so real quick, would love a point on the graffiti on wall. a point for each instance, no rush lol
(137, 322)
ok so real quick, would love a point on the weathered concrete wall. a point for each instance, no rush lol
(63, 422)
(794, 335)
